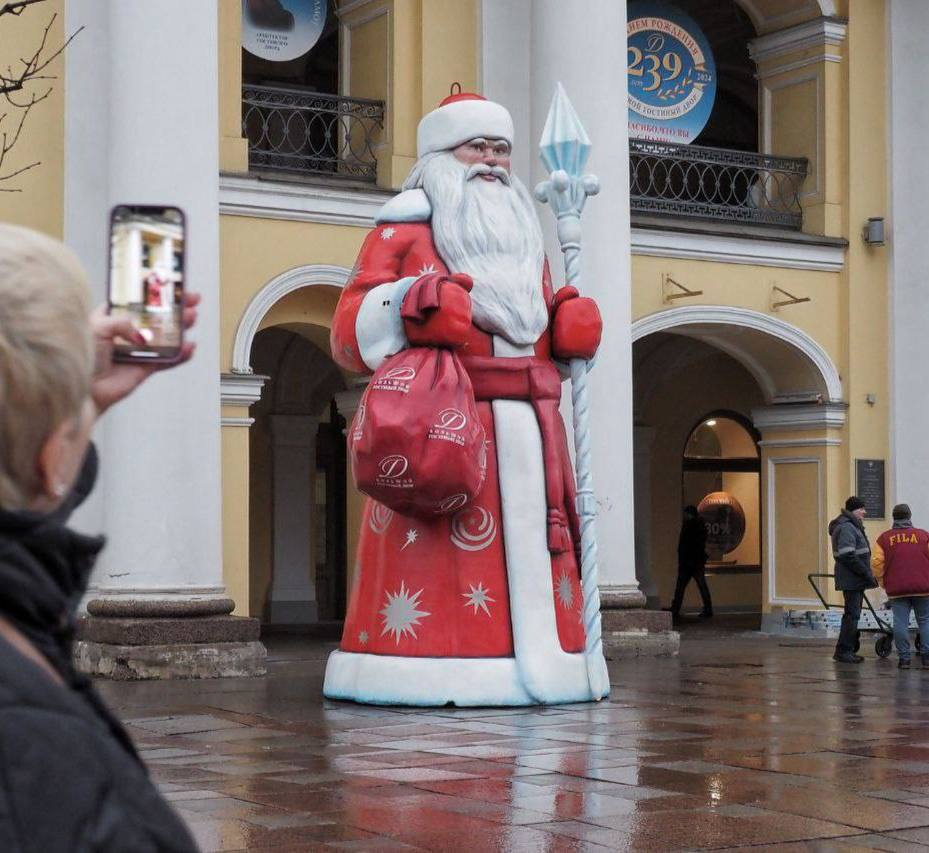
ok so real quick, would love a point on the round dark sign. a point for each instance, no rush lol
(725, 523)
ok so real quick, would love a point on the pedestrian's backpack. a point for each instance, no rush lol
(416, 442)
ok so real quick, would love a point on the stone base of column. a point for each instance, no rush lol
(630, 630)
(129, 640)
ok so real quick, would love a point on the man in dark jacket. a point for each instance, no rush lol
(853, 576)
(901, 565)
(691, 562)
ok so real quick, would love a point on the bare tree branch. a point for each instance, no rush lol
(17, 7)
(18, 87)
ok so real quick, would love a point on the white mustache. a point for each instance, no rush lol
(484, 169)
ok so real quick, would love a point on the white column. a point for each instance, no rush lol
(293, 590)
(584, 49)
(143, 127)
(909, 175)
(643, 438)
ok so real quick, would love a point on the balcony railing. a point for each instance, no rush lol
(308, 133)
(715, 183)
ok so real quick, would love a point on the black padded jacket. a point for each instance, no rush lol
(70, 778)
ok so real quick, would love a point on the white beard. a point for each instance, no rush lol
(488, 230)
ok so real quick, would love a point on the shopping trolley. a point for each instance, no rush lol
(884, 644)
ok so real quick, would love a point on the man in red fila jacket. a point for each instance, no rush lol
(901, 565)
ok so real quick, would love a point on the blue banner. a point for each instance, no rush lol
(281, 30)
(671, 74)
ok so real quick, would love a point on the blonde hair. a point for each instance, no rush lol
(46, 353)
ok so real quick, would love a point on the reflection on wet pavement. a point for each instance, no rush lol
(742, 741)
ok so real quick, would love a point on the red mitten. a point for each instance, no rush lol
(576, 325)
(436, 311)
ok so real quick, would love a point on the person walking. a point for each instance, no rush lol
(691, 562)
(852, 553)
(901, 565)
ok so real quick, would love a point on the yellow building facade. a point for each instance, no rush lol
(779, 334)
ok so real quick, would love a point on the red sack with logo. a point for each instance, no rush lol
(416, 442)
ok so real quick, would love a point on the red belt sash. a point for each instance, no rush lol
(536, 381)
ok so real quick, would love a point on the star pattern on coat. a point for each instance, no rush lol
(411, 536)
(363, 638)
(400, 614)
(387, 233)
(425, 269)
(478, 598)
(565, 591)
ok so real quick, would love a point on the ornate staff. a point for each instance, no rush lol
(564, 148)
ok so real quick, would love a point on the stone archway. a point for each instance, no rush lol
(279, 287)
(696, 359)
(778, 354)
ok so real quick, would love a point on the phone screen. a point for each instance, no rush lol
(147, 278)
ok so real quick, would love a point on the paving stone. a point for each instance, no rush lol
(740, 743)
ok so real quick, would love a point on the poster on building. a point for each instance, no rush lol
(282, 30)
(671, 74)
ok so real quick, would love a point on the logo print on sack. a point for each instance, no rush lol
(447, 426)
(393, 467)
(380, 518)
(452, 419)
(473, 529)
(395, 379)
(403, 373)
(390, 471)
(358, 426)
(451, 503)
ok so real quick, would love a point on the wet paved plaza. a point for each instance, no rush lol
(741, 742)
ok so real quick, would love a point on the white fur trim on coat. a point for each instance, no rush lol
(550, 674)
(447, 127)
(393, 680)
(379, 326)
(408, 206)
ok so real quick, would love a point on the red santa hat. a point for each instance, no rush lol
(460, 117)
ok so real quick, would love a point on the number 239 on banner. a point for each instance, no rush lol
(671, 74)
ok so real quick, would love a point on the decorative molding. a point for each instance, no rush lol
(241, 389)
(737, 250)
(823, 32)
(727, 315)
(347, 402)
(771, 512)
(345, 52)
(826, 8)
(821, 416)
(288, 200)
(275, 290)
(767, 91)
(801, 442)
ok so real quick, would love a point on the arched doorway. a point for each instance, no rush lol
(297, 470)
(732, 401)
(721, 476)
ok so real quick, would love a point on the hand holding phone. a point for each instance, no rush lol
(115, 380)
(146, 282)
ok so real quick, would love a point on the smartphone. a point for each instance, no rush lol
(146, 282)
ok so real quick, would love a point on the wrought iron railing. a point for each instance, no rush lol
(293, 130)
(715, 183)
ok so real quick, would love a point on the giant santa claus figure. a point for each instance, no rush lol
(483, 606)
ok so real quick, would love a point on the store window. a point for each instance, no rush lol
(722, 478)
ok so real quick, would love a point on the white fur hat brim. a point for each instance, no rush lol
(448, 126)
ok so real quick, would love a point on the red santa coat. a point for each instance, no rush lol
(472, 609)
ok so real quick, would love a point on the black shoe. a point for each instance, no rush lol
(847, 657)
(706, 614)
(904, 663)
